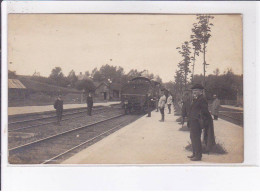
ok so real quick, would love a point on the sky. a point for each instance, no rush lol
(41, 42)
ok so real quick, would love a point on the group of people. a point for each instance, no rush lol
(58, 105)
(195, 109)
(160, 105)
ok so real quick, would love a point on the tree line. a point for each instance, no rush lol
(85, 81)
(226, 85)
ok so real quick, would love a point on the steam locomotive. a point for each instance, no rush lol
(136, 93)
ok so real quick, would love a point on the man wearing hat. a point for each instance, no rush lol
(215, 107)
(199, 118)
(58, 105)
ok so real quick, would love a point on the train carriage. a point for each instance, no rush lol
(135, 94)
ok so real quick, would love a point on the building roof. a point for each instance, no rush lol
(15, 83)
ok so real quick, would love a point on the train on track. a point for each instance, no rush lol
(135, 94)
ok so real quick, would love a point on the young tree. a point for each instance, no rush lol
(201, 31)
(184, 64)
(178, 82)
(196, 50)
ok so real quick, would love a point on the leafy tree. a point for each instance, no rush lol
(72, 78)
(184, 64)
(179, 80)
(133, 73)
(226, 86)
(96, 75)
(57, 75)
(87, 85)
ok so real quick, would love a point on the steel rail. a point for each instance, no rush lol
(77, 146)
(41, 124)
(65, 132)
(48, 117)
(231, 117)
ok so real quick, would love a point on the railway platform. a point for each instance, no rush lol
(232, 107)
(148, 141)
(38, 109)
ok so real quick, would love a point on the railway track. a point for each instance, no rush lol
(54, 148)
(49, 119)
(236, 118)
(33, 133)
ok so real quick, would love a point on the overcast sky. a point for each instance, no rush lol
(40, 42)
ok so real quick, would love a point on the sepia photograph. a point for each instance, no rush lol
(130, 89)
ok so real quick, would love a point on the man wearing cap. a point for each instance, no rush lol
(199, 118)
(215, 107)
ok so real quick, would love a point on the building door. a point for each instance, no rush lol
(105, 95)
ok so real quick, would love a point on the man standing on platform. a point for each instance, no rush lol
(89, 103)
(149, 104)
(215, 107)
(58, 105)
(200, 118)
(161, 105)
(169, 103)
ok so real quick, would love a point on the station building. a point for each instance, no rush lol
(107, 91)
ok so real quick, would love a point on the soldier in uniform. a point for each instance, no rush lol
(89, 103)
(199, 118)
(58, 105)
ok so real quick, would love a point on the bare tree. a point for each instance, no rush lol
(201, 31)
(196, 49)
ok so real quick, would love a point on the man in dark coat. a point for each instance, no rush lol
(89, 103)
(149, 104)
(199, 118)
(58, 105)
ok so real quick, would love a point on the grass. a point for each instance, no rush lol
(217, 149)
